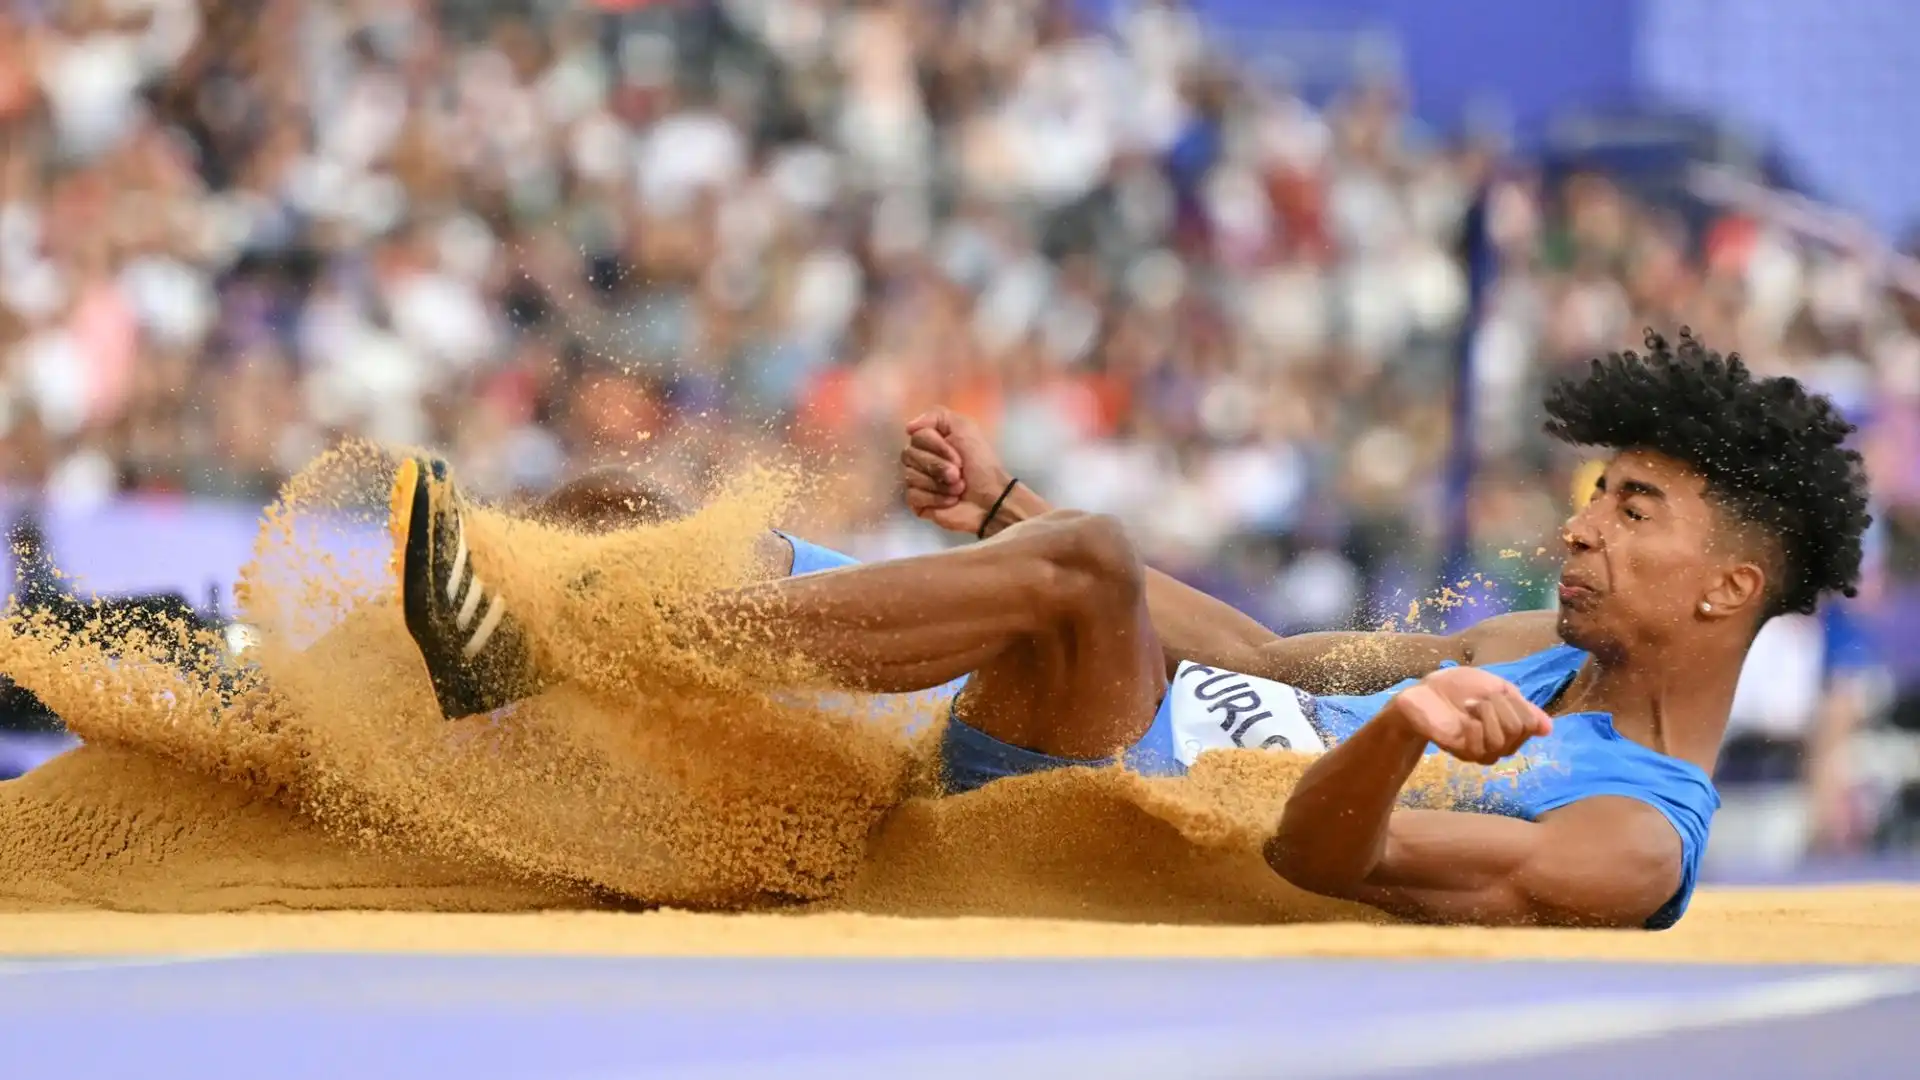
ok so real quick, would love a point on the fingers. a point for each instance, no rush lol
(1474, 716)
(1433, 716)
(1511, 726)
(1542, 721)
(923, 503)
(934, 443)
(1523, 719)
(939, 420)
(1503, 728)
(1505, 721)
(927, 471)
(1462, 685)
(1479, 739)
(917, 483)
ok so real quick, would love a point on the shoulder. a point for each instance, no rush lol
(1505, 638)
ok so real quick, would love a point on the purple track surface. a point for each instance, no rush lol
(373, 1017)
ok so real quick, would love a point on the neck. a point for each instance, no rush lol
(1678, 710)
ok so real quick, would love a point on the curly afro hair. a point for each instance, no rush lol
(1773, 455)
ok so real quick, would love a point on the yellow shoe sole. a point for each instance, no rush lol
(406, 480)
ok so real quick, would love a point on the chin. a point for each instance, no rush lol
(1581, 631)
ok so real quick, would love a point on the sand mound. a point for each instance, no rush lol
(1086, 844)
(110, 827)
(645, 773)
(114, 828)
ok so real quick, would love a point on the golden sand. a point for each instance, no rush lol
(1862, 924)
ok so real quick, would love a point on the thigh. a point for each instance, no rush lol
(1086, 692)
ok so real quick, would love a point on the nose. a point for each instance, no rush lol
(1579, 533)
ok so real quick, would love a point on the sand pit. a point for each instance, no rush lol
(1862, 924)
(107, 827)
(169, 863)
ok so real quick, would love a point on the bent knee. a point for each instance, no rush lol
(1091, 562)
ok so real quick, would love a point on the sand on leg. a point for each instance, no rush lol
(1050, 618)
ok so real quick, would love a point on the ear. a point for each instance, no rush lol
(1739, 590)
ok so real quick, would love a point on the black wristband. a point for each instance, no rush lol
(997, 504)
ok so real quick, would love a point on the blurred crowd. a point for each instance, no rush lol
(547, 235)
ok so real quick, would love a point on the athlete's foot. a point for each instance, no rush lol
(475, 652)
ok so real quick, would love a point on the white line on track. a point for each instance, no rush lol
(14, 969)
(1436, 1040)
(1491, 1035)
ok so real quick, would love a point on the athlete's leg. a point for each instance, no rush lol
(604, 499)
(1050, 617)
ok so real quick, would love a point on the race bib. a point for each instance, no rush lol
(1224, 710)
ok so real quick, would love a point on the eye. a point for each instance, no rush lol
(1632, 514)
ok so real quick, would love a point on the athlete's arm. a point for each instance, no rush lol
(1195, 626)
(1608, 861)
(1369, 661)
(954, 478)
(1605, 861)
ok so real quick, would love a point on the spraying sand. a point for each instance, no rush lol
(650, 776)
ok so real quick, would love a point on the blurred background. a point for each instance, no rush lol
(1277, 281)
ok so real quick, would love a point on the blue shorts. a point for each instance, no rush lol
(1203, 709)
(971, 758)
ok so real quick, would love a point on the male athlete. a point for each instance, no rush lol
(1727, 500)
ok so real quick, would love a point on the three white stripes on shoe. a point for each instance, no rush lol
(496, 608)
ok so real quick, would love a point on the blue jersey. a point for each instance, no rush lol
(1583, 758)
(1214, 709)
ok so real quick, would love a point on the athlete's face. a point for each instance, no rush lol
(1650, 558)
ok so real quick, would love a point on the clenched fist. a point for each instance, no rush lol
(1473, 715)
(951, 473)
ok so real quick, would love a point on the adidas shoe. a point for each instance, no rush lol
(475, 653)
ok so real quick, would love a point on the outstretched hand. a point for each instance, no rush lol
(951, 472)
(1471, 714)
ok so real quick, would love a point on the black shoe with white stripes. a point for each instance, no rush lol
(475, 653)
